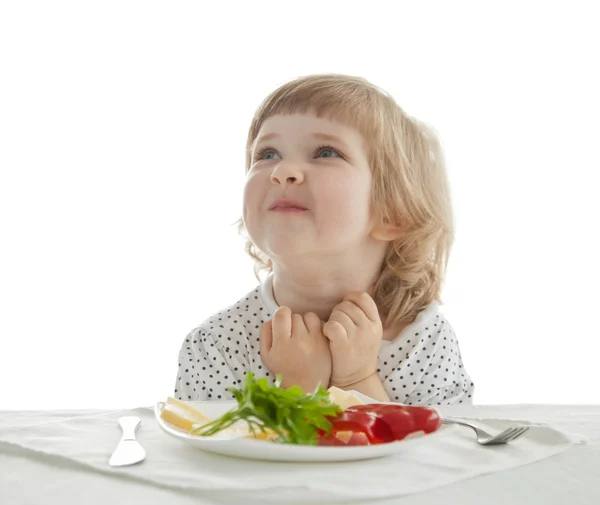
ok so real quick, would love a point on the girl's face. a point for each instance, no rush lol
(308, 189)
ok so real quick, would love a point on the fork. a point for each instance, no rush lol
(485, 438)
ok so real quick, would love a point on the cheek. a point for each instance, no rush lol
(254, 194)
(344, 202)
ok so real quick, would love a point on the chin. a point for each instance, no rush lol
(284, 246)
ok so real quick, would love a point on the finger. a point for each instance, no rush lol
(313, 323)
(344, 319)
(365, 303)
(353, 311)
(282, 324)
(266, 338)
(335, 332)
(298, 327)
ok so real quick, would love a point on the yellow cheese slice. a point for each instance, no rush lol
(182, 415)
(343, 398)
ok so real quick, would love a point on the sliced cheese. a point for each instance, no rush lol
(344, 436)
(182, 415)
(343, 398)
(186, 417)
(268, 435)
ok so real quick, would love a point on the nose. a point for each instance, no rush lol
(287, 173)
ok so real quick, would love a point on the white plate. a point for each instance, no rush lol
(270, 451)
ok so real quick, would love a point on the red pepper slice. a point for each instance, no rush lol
(402, 419)
(376, 430)
(427, 418)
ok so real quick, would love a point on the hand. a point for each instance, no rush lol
(354, 331)
(295, 347)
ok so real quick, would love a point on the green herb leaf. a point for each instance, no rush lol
(291, 413)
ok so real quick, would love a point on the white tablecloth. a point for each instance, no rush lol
(573, 476)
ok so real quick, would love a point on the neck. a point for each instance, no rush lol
(318, 286)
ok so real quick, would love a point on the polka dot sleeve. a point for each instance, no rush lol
(207, 369)
(425, 367)
(444, 382)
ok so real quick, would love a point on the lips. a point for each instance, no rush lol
(287, 205)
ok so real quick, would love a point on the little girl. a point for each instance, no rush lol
(347, 208)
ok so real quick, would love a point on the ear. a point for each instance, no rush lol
(387, 232)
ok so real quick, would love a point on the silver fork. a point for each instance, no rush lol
(485, 438)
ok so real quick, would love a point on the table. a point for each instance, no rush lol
(571, 477)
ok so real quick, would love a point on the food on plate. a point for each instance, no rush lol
(372, 429)
(403, 419)
(187, 418)
(291, 414)
(324, 417)
(379, 423)
(343, 398)
(182, 415)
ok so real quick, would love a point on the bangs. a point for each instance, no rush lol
(352, 102)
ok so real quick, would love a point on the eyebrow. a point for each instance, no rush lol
(331, 138)
(318, 135)
(263, 138)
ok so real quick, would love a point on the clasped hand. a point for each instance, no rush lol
(307, 351)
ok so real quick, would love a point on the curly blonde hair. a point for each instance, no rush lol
(410, 186)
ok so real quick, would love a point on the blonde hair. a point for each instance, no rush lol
(410, 186)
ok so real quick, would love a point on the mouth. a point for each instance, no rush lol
(287, 206)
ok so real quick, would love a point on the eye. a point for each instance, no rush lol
(328, 152)
(266, 153)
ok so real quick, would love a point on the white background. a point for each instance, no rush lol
(122, 130)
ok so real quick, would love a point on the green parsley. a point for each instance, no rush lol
(292, 414)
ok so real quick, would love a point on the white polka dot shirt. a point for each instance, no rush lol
(421, 366)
